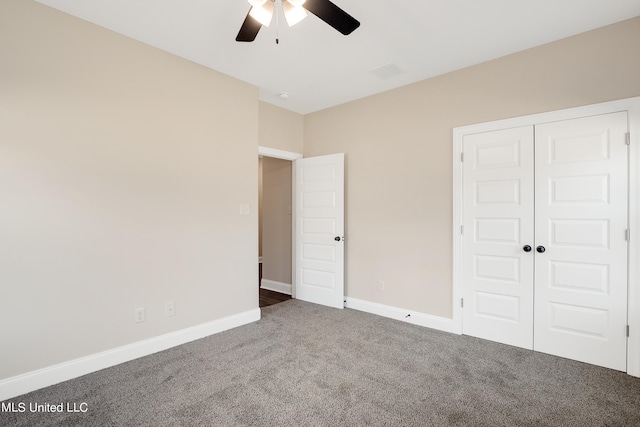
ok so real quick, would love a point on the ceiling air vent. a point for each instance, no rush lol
(387, 70)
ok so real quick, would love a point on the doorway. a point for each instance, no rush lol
(316, 215)
(275, 229)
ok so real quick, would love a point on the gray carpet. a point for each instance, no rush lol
(307, 365)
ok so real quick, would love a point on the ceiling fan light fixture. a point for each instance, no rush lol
(263, 14)
(292, 13)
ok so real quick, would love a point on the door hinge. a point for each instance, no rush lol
(462, 229)
(627, 331)
(627, 234)
(462, 302)
(462, 157)
(628, 137)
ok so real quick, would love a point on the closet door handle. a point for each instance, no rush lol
(540, 249)
(526, 248)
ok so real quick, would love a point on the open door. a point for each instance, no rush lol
(319, 194)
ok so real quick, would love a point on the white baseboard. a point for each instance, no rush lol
(272, 285)
(414, 317)
(34, 380)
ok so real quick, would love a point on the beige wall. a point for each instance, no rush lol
(280, 128)
(398, 149)
(117, 190)
(276, 220)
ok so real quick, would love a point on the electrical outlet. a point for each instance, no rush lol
(170, 309)
(381, 285)
(140, 315)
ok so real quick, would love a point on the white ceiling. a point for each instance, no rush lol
(320, 67)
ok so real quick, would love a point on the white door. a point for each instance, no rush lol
(498, 224)
(319, 202)
(573, 269)
(581, 222)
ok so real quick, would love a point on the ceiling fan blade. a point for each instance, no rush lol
(332, 15)
(249, 29)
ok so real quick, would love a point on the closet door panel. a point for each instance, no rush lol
(498, 221)
(581, 221)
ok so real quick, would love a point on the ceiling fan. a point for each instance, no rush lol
(262, 12)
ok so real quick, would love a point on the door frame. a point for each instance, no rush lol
(291, 156)
(632, 106)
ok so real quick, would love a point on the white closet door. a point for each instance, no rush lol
(581, 221)
(498, 223)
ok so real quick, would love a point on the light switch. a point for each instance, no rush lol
(244, 209)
